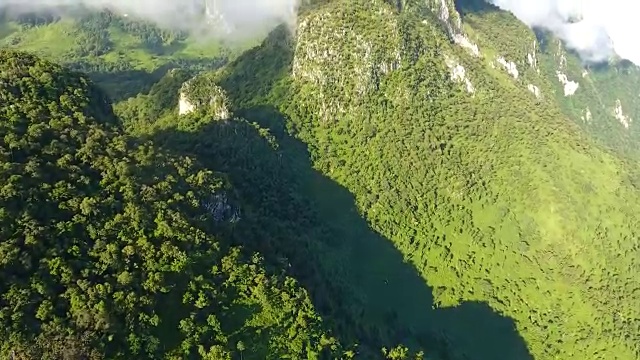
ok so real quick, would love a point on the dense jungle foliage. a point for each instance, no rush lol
(358, 202)
(601, 85)
(113, 248)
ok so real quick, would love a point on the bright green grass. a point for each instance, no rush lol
(198, 48)
(55, 40)
(130, 49)
(58, 42)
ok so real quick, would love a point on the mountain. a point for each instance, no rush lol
(112, 248)
(494, 194)
(601, 98)
(427, 178)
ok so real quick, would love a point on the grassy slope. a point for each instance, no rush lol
(56, 41)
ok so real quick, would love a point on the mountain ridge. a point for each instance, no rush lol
(332, 101)
(411, 169)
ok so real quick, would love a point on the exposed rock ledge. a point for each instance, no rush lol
(202, 91)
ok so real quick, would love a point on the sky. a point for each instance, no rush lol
(603, 26)
(247, 15)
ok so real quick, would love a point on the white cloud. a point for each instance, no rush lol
(595, 28)
(244, 15)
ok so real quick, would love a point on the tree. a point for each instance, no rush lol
(240, 346)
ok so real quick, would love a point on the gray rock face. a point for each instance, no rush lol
(200, 92)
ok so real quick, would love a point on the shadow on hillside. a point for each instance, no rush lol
(121, 84)
(465, 7)
(158, 48)
(305, 222)
(357, 279)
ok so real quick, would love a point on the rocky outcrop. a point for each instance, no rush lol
(202, 92)
(459, 74)
(335, 54)
(586, 115)
(445, 10)
(620, 115)
(184, 105)
(532, 57)
(221, 209)
(570, 87)
(464, 41)
(534, 89)
(509, 66)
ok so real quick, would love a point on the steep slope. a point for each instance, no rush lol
(493, 193)
(456, 159)
(113, 249)
(308, 239)
(601, 98)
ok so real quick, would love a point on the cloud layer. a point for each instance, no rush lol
(595, 28)
(245, 16)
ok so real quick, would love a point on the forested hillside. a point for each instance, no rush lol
(113, 248)
(393, 180)
(601, 98)
(494, 195)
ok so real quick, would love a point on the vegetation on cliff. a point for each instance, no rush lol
(113, 248)
(494, 196)
(356, 198)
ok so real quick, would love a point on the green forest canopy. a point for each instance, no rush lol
(360, 188)
(112, 248)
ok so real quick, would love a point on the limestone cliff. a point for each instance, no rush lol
(332, 51)
(202, 92)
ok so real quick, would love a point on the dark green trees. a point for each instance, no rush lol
(111, 249)
(408, 209)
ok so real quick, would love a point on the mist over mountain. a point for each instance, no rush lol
(595, 28)
(245, 17)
